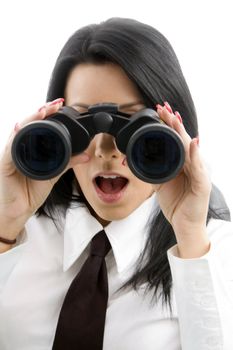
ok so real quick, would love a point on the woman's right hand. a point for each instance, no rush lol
(21, 196)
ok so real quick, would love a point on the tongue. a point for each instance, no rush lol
(111, 185)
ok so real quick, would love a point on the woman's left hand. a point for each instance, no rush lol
(184, 200)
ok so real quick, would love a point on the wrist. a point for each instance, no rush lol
(7, 243)
(193, 245)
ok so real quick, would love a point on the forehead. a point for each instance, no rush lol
(96, 83)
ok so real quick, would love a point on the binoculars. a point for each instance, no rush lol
(155, 153)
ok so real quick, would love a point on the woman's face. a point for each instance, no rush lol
(105, 180)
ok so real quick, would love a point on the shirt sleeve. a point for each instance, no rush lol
(9, 259)
(203, 289)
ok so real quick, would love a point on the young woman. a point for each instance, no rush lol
(170, 275)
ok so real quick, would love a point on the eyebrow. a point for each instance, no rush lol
(125, 105)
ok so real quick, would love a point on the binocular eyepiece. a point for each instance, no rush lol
(155, 153)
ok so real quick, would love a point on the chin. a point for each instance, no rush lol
(113, 215)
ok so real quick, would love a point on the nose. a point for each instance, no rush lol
(105, 147)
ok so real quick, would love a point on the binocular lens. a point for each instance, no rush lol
(156, 155)
(41, 153)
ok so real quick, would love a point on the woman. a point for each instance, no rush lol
(169, 271)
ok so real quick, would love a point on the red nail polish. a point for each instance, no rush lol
(177, 114)
(158, 106)
(58, 100)
(16, 127)
(196, 140)
(168, 107)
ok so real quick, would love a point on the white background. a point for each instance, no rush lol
(33, 32)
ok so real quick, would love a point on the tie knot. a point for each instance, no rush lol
(100, 244)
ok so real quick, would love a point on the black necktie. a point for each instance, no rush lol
(82, 317)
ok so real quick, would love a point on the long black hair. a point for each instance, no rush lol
(148, 59)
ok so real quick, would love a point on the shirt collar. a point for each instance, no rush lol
(127, 236)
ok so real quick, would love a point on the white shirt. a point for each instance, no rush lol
(35, 276)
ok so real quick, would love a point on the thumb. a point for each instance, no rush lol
(78, 159)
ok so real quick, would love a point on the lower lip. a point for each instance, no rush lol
(110, 198)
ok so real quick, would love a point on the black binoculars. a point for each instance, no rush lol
(155, 153)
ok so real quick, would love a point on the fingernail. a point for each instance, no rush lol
(16, 127)
(58, 100)
(40, 109)
(177, 114)
(196, 139)
(158, 106)
(168, 107)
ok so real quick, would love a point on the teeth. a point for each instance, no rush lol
(109, 176)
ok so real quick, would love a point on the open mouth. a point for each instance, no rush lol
(111, 184)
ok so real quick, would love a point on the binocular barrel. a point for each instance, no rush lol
(155, 152)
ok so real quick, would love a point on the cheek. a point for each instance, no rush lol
(80, 172)
(149, 189)
(144, 190)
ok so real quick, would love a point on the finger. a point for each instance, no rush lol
(178, 126)
(174, 121)
(199, 175)
(52, 107)
(43, 112)
(78, 159)
(74, 160)
(165, 115)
